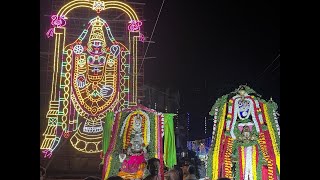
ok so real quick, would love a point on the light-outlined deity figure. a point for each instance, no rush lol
(93, 75)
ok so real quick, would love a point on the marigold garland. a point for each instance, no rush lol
(243, 161)
(126, 129)
(263, 146)
(230, 114)
(216, 111)
(239, 173)
(227, 158)
(144, 131)
(272, 135)
(254, 163)
(215, 159)
(124, 124)
(221, 154)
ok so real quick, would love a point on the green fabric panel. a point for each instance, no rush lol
(170, 158)
(107, 132)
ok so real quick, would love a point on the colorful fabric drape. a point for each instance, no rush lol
(107, 132)
(169, 141)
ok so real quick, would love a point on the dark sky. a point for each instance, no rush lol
(213, 48)
(224, 43)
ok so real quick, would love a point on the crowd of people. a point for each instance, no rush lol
(184, 171)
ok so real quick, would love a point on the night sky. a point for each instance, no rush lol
(208, 50)
(213, 48)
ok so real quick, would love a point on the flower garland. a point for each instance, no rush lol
(248, 157)
(238, 172)
(127, 128)
(227, 158)
(234, 117)
(125, 124)
(156, 134)
(260, 160)
(243, 160)
(255, 117)
(273, 139)
(127, 132)
(258, 109)
(144, 131)
(276, 122)
(153, 136)
(264, 150)
(222, 152)
(254, 162)
(217, 111)
(271, 154)
(146, 127)
(114, 159)
(215, 159)
(214, 123)
(160, 144)
(162, 124)
(230, 113)
(108, 168)
(124, 128)
(218, 104)
(109, 158)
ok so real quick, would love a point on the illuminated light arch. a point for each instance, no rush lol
(107, 5)
(65, 108)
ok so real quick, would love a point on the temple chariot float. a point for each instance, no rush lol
(245, 138)
(138, 134)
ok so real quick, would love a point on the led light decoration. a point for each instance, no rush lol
(92, 75)
(98, 6)
(205, 125)
(56, 21)
(188, 121)
(246, 142)
(141, 37)
(134, 25)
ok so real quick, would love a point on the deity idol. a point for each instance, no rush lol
(134, 164)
